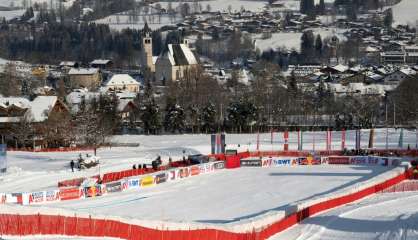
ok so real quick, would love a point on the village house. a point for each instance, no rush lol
(18, 112)
(84, 78)
(122, 82)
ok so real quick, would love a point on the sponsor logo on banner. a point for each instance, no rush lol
(2, 198)
(267, 162)
(219, 165)
(125, 184)
(160, 178)
(51, 196)
(70, 193)
(251, 163)
(133, 183)
(36, 197)
(172, 175)
(195, 170)
(93, 191)
(183, 172)
(114, 187)
(338, 160)
(281, 162)
(147, 181)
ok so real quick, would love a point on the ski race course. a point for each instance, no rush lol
(209, 201)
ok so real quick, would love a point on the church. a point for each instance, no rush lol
(172, 64)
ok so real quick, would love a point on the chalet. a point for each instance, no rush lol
(101, 63)
(16, 110)
(84, 78)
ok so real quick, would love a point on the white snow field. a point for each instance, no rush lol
(405, 12)
(227, 196)
(389, 216)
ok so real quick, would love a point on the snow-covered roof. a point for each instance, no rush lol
(100, 61)
(180, 54)
(67, 63)
(341, 68)
(41, 107)
(82, 71)
(408, 71)
(121, 79)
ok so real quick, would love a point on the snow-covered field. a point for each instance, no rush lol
(19, 3)
(222, 5)
(391, 216)
(405, 12)
(292, 40)
(10, 15)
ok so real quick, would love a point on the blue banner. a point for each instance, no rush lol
(3, 159)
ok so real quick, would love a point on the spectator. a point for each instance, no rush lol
(134, 167)
(72, 165)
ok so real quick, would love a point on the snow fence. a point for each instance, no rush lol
(22, 221)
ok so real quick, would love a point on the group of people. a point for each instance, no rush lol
(155, 164)
(80, 162)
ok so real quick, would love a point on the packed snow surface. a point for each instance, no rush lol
(391, 216)
(228, 195)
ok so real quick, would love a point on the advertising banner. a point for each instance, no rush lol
(194, 170)
(114, 187)
(36, 197)
(125, 184)
(251, 162)
(183, 173)
(70, 193)
(172, 175)
(369, 160)
(52, 196)
(2, 198)
(134, 183)
(3, 158)
(219, 165)
(276, 162)
(338, 160)
(160, 178)
(147, 181)
(93, 191)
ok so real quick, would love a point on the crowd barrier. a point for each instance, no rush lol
(29, 222)
(405, 186)
(60, 149)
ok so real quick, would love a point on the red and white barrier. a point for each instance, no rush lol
(20, 221)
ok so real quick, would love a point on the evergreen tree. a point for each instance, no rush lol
(388, 20)
(174, 118)
(208, 117)
(242, 113)
(150, 117)
(318, 45)
(321, 7)
(307, 46)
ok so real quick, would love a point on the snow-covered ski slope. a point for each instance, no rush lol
(41, 171)
(225, 196)
(390, 216)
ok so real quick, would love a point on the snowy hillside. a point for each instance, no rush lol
(405, 12)
(391, 216)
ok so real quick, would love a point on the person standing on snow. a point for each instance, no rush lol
(72, 165)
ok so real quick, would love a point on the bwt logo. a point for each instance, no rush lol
(281, 162)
